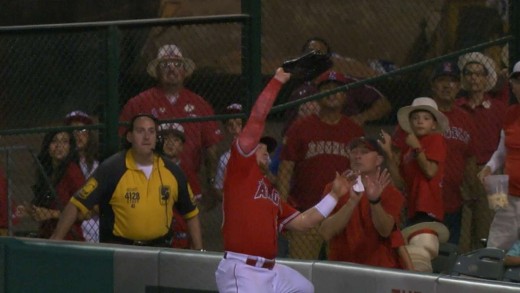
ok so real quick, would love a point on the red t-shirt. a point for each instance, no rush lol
(512, 143)
(488, 118)
(360, 242)
(199, 135)
(423, 194)
(460, 141)
(71, 182)
(253, 211)
(181, 237)
(318, 151)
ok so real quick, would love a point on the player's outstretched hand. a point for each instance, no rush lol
(342, 183)
(281, 75)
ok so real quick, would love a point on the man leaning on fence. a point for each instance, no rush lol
(136, 190)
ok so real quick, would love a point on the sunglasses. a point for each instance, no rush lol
(467, 72)
(170, 64)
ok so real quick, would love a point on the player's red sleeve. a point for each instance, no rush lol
(250, 135)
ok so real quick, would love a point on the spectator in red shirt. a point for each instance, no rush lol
(58, 178)
(172, 138)
(315, 147)
(460, 139)
(364, 223)
(171, 100)
(363, 104)
(478, 78)
(419, 171)
(503, 232)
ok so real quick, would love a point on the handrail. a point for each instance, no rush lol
(224, 18)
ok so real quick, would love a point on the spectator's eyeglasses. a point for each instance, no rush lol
(467, 72)
(76, 131)
(170, 64)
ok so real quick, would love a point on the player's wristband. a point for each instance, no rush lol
(326, 205)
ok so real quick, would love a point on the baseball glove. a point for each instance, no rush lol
(308, 66)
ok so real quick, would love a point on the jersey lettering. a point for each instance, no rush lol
(316, 148)
(263, 192)
(456, 133)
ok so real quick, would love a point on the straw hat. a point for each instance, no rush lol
(488, 63)
(170, 52)
(440, 229)
(426, 104)
(516, 70)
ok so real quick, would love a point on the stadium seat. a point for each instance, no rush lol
(512, 274)
(444, 262)
(486, 263)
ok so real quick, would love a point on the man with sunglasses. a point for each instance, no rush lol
(169, 99)
(477, 79)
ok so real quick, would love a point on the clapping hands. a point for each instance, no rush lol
(374, 185)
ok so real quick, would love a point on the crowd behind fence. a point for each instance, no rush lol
(50, 71)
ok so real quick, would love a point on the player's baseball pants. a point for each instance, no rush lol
(234, 275)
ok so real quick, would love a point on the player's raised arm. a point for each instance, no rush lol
(250, 135)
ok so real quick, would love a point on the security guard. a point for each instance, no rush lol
(135, 190)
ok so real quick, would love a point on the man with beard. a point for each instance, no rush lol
(171, 100)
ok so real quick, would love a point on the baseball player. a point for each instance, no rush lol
(254, 213)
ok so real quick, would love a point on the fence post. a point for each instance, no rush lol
(111, 137)
(514, 26)
(252, 51)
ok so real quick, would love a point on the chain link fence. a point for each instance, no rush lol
(49, 72)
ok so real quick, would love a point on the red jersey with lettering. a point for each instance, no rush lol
(199, 135)
(489, 117)
(360, 242)
(423, 194)
(512, 143)
(460, 141)
(253, 210)
(318, 151)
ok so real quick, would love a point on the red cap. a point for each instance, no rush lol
(332, 76)
(78, 116)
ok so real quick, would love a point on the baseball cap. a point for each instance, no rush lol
(369, 143)
(270, 142)
(78, 116)
(516, 71)
(234, 108)
(173, 128)
(446, 68)
(332, 76)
